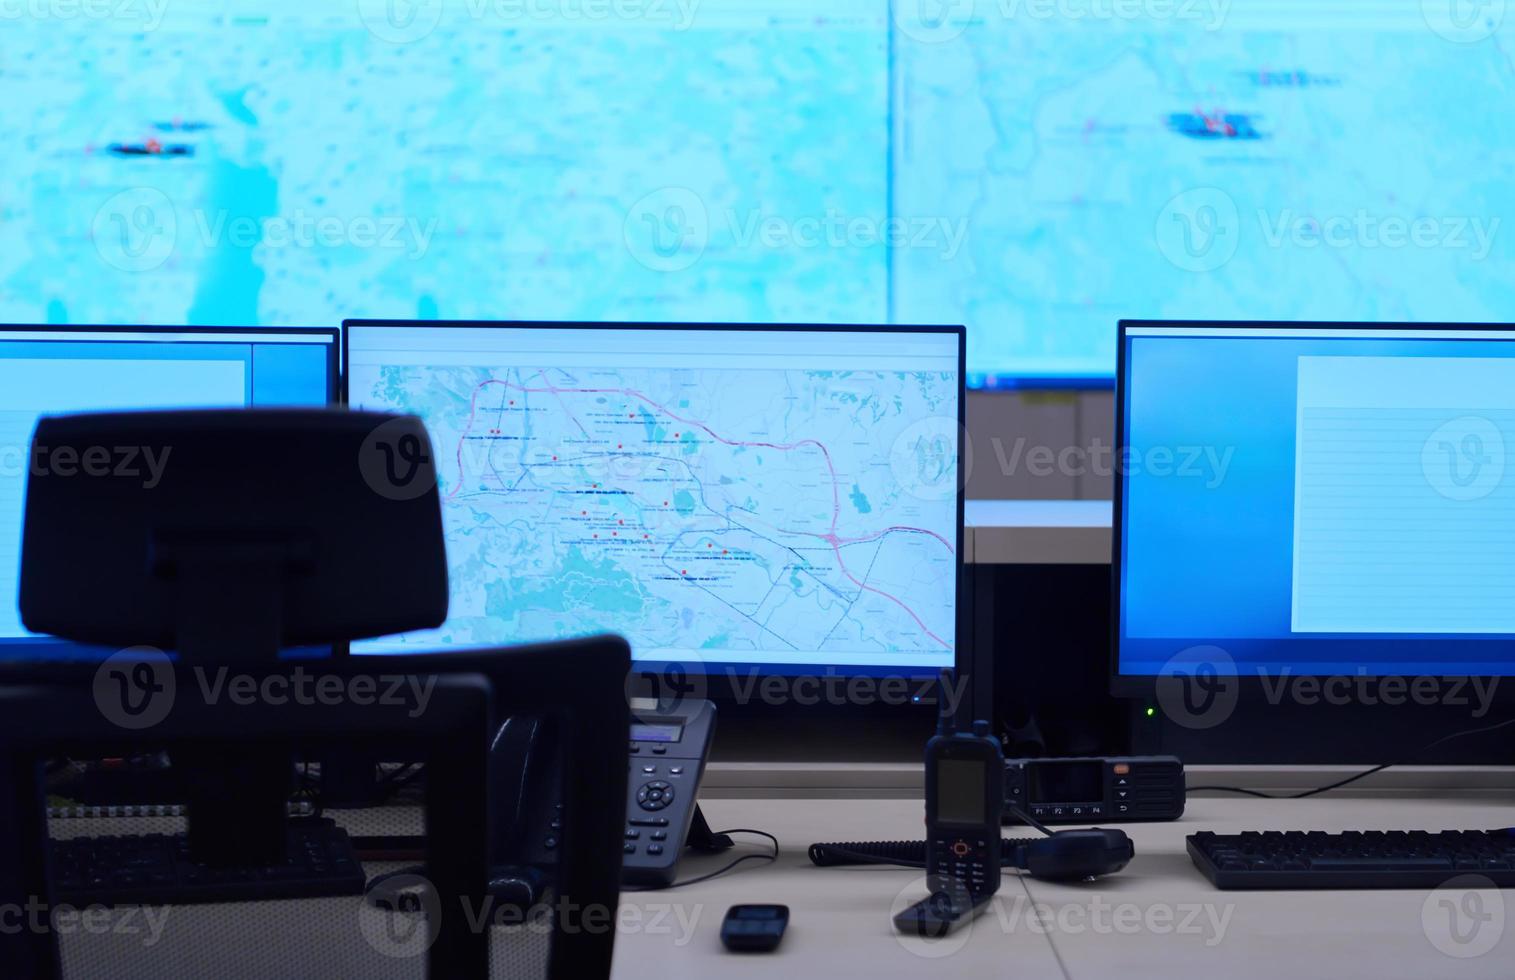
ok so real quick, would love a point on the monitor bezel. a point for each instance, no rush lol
(332, 335)
(722, 685)
(61, 650)
(1145, 685)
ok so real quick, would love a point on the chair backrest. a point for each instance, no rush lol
(227, 535)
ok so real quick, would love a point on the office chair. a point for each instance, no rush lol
(262, 531)
(53, 712)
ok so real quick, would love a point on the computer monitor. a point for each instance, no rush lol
(1314, 499)
(743, 499)
(51, 370)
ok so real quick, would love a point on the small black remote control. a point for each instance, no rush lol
(754, 928)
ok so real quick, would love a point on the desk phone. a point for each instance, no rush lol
(666, 754)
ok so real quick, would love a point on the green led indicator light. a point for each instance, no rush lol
(1151, 712)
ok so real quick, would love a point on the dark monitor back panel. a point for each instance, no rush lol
(1258, 732)
(1048, 646)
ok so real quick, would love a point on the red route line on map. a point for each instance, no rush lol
(836, 507)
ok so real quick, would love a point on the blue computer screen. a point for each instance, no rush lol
(1318, 500)
(1035, 169)
(774, 499)
(51, 371)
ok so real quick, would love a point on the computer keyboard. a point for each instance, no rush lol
(1354, 859)
(155, 869)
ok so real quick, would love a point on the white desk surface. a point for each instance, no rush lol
(1159, 918)
(1038, 513)
(1027, 532)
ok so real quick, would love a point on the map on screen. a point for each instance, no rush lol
(1034, 169)
(1278, 159)
(705, 510)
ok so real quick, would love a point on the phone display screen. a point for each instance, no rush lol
(657, 733)
(960, 791)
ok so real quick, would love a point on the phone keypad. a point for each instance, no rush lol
(655, 785)
(655, 795)
(964, 861)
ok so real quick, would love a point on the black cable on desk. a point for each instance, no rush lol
(912, 853)
(1351, 779)
(716, 874)
(900, 853)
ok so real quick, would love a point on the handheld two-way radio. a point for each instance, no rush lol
(965, 795)
(963, 853)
